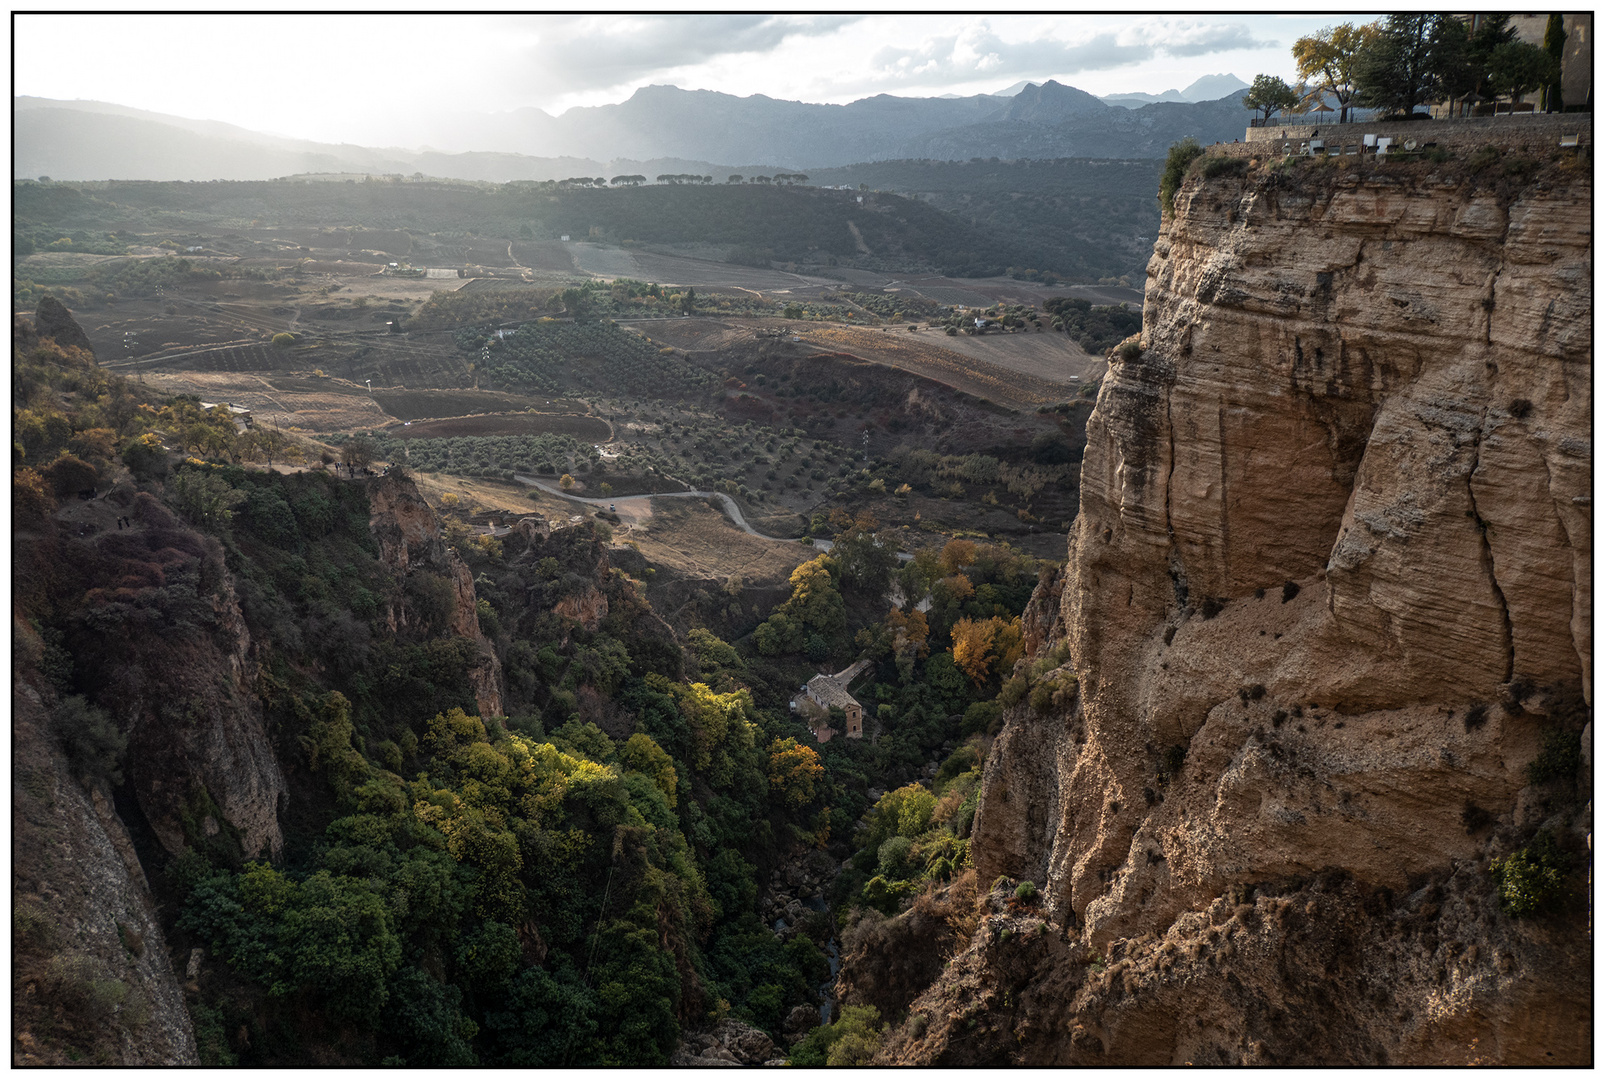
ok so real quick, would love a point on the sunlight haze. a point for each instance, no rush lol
(397, 79)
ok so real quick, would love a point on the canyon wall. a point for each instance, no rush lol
(410, 539)
(1327, 599)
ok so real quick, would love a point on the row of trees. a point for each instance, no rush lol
(1405, 61)
(637, 179)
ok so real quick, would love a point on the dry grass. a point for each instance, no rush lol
(692, 537)
(1046, 355)
(907, 352)
(341, 407)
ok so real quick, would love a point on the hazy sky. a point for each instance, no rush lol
(378, 79)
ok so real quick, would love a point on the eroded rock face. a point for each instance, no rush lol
(53, 320)
(182, 688)
(1329, 586)
(83, 911)
(410, 539)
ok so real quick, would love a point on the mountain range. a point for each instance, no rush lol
(1208, 88)
(82, 140)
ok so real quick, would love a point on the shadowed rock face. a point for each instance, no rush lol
(409, 538)
(53, 320)
(81, 902)
(1328, 589)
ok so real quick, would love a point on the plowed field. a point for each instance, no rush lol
(981, 378)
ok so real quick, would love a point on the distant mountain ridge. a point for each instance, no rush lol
(1208, 88)
(78, 140)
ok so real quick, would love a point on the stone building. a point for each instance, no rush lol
(823, 692)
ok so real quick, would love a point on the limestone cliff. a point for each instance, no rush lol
(1327, 598)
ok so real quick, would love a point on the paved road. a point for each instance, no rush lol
(729, 504)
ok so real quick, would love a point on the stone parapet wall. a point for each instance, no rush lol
(1539, 131)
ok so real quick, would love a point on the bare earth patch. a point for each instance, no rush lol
(692, 537)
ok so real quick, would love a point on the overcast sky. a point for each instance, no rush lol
(372, 78)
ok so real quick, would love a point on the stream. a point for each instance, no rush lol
(827, 989)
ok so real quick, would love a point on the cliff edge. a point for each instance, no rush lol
(1328, 604)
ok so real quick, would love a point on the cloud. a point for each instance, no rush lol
(1202, 38)
(595, 52)
(978, 51)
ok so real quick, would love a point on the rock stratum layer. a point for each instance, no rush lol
(1327, 599)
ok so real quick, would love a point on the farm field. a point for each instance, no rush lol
(339, 407)
(582, 428)
(543, 256)
(691, 334)
(718, 275)
(1010, 291)
(1045, 355)
(981, 378)
(846, 417)
(425, 404)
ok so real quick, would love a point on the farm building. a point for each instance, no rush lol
(823, 692)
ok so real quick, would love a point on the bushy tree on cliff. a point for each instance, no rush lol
(1327, 60)
(1181, 155)
(1270, 95)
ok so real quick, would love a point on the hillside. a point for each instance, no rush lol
(313, 771)
(766, 223)
(1087, 215)
(95, 141)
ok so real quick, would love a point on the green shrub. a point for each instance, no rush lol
(1532, 879)
(1559, 759)
(1025, 892)
(90, 739)
(1223, 166)
(1181, 155)
(851, 1040)
(892, 857)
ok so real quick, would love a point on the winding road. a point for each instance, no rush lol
(729, 504)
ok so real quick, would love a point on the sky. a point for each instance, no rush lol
(381, 79)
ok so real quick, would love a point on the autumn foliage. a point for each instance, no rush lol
(984, 648)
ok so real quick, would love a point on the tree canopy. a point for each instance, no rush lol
(1270, 95)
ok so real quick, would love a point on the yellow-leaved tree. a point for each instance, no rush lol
(1326, 62)
(793, 771)
(982, 647)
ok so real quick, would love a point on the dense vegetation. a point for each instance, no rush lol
(1095, 329)
(574, 882)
